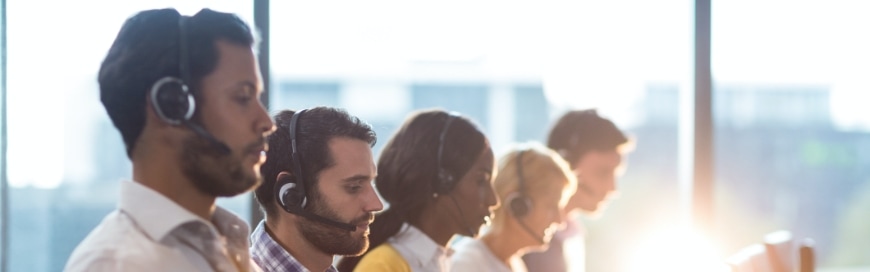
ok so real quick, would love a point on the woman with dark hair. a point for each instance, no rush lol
(436, 174)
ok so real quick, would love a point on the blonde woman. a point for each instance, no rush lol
(534, 183)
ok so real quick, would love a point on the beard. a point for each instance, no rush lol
(328, 239)
(214, 172)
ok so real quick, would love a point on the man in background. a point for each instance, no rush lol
(594, 148)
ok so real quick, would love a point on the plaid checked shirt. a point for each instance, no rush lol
(271, 257)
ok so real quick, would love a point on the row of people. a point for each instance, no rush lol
(183, 91)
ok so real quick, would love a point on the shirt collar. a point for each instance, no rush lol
(271, 256)
(157, 215)
(420, 246)
(145, 206)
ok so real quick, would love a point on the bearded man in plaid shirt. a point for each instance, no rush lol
(317, 191)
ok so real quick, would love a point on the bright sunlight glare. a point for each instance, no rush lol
(676, 250)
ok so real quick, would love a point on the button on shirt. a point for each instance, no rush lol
(421, 252)
(149, 232)
(270, 256)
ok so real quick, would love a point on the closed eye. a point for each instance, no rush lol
(245, 95)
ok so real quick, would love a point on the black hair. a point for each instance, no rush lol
(408, 169)
(315, 128)
(147, 49)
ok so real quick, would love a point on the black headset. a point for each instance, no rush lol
(291, 188)
(170, 96)
(520, 204)
(445, 179)
(291, 195)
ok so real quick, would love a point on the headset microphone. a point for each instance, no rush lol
(221, 147)
(462, 217)
(539, 238)
(519, 204)
(328, 222)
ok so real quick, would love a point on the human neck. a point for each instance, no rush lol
(156, 169)
(286, 234)
(499, 242)
(431, 223)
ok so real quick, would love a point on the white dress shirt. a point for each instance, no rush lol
(474, 255)
(420, 251)
(149, 232)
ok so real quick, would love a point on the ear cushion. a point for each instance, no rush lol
(445, 182)
(172, 101)
(519, 205)
(289, 196)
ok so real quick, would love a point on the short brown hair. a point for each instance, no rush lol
(580, 131)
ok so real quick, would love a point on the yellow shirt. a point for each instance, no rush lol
(408, 250)
(383, 258)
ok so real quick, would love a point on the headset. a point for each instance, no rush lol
(445, 179)
(171, 97)
(291, 193)
(519, 203)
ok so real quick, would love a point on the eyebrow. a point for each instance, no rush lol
(356, 178)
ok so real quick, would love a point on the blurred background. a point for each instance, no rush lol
(790, 125)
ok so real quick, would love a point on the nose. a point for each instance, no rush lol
(491, 199)
(373, 202)
(264, 123)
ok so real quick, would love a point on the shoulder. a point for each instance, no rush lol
(115, 245)
(469, 256)
(383, 258)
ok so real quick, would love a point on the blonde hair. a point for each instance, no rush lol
(545, 173)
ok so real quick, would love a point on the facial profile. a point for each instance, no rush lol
(345, 194)
(229, 108)
(596, 176)
(545, 217)
(474, 195)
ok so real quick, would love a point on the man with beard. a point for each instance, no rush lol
(317, 191)
(183, 92)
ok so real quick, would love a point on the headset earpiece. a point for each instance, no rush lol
(172, 101)
(289, 196)
(519, 205)
(445, 182)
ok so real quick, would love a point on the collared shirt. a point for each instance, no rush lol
(149, 232)
(420, 252)
(270, 256)
(474, 255)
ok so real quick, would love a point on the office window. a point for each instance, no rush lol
(65, 158)
(792, 126)
(531, 111)
(513, 68)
